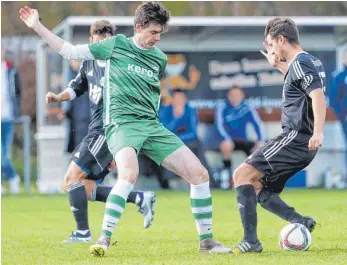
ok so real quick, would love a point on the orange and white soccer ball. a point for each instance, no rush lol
(295, 237)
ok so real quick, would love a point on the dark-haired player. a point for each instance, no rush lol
(92, 158)
(134, 67)
(263, 175)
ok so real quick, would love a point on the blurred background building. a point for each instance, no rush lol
(211, 47)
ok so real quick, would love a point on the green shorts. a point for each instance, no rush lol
(148, 137)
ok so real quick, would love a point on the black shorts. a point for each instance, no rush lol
(243, 145)
(92, 156)
(281, 158)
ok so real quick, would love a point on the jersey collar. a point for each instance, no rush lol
(138, 46)
(295, 58)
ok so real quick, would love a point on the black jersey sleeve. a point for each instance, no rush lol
(80, 84)
(307, 76)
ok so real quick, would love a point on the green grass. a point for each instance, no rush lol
(33, 227)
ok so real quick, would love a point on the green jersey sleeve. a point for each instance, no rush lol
(102, 50)
(163, 67)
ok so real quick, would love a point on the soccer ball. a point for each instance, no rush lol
(295, 237)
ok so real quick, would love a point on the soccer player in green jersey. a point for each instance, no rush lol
(131, 101)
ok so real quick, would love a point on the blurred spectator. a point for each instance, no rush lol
(182, 119)
(77, 114)
(10, 109)
(232, 117)
(338, 96)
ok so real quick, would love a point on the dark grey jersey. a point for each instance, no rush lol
(91, 79)
(305, 74)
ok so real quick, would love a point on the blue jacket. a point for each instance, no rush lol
(338, 92)
(14, 89)
(231, 121)
(185, 127)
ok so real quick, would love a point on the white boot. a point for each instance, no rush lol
(3, 190)
(14, 185)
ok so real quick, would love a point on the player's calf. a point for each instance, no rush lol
(272, 202)
(78, 197)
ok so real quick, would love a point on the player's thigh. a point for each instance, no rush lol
(281, 158)
(127, 164)
(184, 163)
(92, 155)
(129, 134)
(160, 143)
(74, 174)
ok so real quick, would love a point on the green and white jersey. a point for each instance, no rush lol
(132, 79)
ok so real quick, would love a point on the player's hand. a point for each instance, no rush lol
(315, 141)
(61, 115)
(51, 97)
(29, 16)
(270, 56)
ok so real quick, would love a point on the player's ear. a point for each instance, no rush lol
(281, 39)
(138, 28)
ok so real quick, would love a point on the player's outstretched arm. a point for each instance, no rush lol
(79, 52)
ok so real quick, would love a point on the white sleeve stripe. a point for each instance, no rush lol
(307, 81)
(300, 69)
(297, 69)
(72, 93)
(78, 52)
(220, 123)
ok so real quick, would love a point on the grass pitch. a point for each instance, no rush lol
(33, 227)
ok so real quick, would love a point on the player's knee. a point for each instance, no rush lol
(74, 176)
(129, 174)
(200, 175)
(204, 177)
(226, 147)
(70, 179)
(243, 175)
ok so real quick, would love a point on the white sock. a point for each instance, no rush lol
(115, 205)
(201, 203)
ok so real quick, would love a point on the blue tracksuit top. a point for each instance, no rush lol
(185, 127)
(231, 120)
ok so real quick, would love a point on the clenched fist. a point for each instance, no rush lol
(51, 97)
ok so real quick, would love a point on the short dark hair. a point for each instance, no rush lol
(102, 27)
(152, 13)
(283, 26)
(236, 87)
